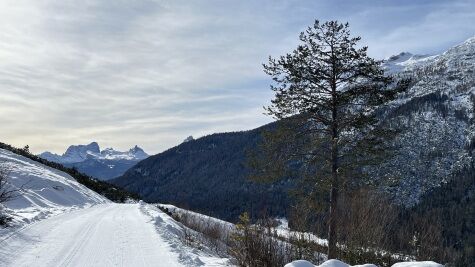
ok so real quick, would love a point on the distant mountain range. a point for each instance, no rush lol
(90, 160)
(405, 61)
(437, 121)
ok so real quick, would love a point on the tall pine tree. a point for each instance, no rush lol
(330, 90)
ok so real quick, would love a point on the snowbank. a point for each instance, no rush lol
(197, 216)
(418, 264)
(329, 263)
(337, 263)
(46, 191)
(300, 263)
(176, 235)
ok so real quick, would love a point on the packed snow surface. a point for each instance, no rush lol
(103, 235)
(337, 263)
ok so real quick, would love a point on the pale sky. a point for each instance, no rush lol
(153, 72)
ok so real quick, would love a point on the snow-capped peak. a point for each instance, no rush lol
(401, 57)
(80, 153)
(135, 153)
(404, 61)
(138, 152)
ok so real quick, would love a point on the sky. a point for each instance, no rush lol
(151, 73)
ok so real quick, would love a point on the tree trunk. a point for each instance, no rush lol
(332, 221)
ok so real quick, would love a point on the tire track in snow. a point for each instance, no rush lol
(66, 255)
(106, 235)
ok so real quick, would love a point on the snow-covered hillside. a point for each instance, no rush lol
(405, 61)
(436, 119)
(46, 191)
(59, 222)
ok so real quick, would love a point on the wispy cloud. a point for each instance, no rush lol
(153, 72)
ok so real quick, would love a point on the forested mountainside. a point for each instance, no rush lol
(207, 175)
(452, 207)
(436, 118)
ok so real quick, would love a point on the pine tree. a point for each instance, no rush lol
(329, 90)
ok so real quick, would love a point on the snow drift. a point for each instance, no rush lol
(196, 254)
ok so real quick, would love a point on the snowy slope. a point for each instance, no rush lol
(458, 58)
(436, 119)
(46, 190)
(199, 254)
(197, 216)
(405, 61)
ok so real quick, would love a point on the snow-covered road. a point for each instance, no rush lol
(104, 235)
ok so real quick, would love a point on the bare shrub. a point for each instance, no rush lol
(366, 218)
(256, 246)
(201, 231)
(259, 244)
(304, 223)
(190, 236)
(425, 238)
(249, 244)
(7, 193)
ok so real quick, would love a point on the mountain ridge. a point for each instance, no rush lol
(79, 153)
(103, 164)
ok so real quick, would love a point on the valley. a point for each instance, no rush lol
(313, 133)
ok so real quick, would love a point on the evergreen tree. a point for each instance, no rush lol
(328, 91)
